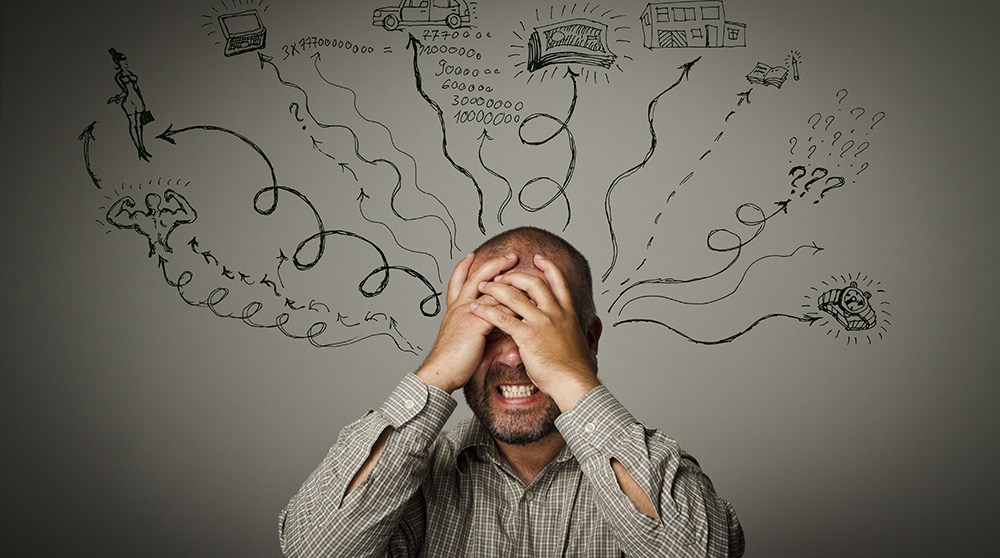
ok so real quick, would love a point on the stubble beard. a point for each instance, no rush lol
(511, 426)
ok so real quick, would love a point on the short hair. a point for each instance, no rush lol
(581, 289)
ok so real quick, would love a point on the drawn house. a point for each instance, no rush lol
(690, 23)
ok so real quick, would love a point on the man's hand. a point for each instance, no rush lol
(538, 314)
(458, 349)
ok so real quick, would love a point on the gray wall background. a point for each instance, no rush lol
(137, 424)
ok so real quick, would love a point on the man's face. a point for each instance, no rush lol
(500, 393)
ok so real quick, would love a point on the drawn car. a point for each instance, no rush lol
(453, 13)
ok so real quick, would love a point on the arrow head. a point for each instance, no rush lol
(264, 59)
(363, 196)
(165, 136)
(413, 42)
(88, 132)
(486, 135)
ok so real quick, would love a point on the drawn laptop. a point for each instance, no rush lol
(243, 31)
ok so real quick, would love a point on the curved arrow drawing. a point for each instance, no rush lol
(414, 44)
(804, 319)
(650, 111)
(86, 137)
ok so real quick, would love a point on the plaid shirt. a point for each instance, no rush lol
(448, 495)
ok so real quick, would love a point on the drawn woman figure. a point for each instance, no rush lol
(131, 101)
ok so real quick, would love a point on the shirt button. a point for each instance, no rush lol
(589, 428)
(409, 403)
(529, 495)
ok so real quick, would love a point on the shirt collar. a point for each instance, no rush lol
(475, 440)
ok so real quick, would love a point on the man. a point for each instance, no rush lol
(551, 465)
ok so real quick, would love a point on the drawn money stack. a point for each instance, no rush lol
(575, 41)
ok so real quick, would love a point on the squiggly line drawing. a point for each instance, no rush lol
(453, 244)
(816, 249)
(510, 190)
(357, 149)
(650, 112)
(319, 237)
(361, 199)
(563, 126)
(219, 294)
(758, 222)
(415, 44)
(805, 319)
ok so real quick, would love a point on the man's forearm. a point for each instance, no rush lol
(657, 500)
(352, 503)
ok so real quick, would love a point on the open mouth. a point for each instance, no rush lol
(518, 391)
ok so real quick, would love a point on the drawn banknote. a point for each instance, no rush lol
(574, 41)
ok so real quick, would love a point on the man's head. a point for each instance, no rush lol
(500, 393)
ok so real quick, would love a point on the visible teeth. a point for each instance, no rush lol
(514, 392)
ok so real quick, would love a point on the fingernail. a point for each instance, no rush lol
(482, 284)
(473, 306)
(511, 256)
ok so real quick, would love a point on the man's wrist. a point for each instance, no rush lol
(569, 393)
(434, 378)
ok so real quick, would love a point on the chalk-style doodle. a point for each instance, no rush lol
(664, 281)
(318, 240)
(793, 59)
(583, 42)
(575, 41)
(804, 319)
(267, 60)
(160, 219)
(411, 13)
(453, 244)
(562, 126)
(415, 45)
(313, 334)
(510, 189)
(87, 136)
(130, 99)
(650, 115)
(763, 74)
(244, 32)
(848, 305)
(690, 23)
(837, 139)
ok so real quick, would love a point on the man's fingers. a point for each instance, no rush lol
(458, 277)
(511, 297)
(537, 289)
(486, 271)
(556, 280)
(501, 318)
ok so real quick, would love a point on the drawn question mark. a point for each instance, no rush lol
(859, 114)
(829, 120)
(294, 109)
(818, 117)
(812, 149)
(839, 98)
(836, 137)
(862, 148)
(841, 181)
(846, 147)
(815, 179)
(863, 167)
(801, 172)
(794, 141)
(877, 118)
